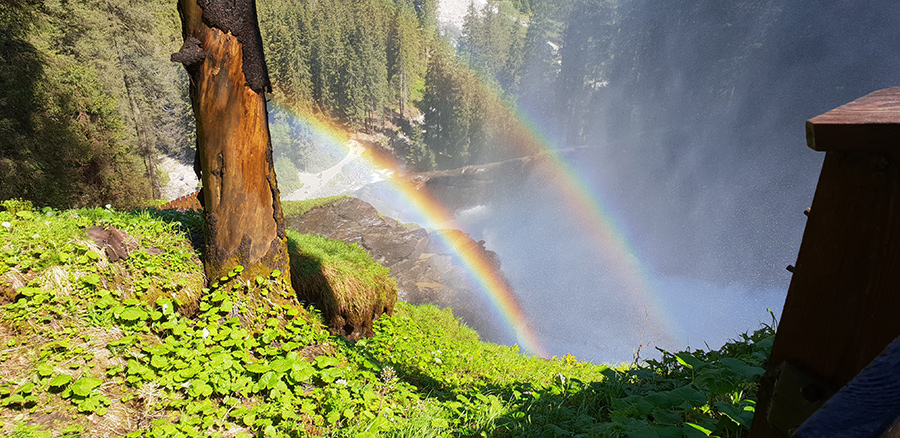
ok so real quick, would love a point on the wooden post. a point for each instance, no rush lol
(843, 304)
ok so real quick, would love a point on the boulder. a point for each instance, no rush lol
(420, 263)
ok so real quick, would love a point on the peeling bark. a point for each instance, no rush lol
(222, 53)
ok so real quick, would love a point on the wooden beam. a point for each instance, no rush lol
(870, 123)
(844, 298)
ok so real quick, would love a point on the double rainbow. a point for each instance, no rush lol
(596, 223)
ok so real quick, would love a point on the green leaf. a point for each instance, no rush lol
(741, 368)
(15, 398)
(692, 430)
(60, 380)
(290, 346)
(200, 389)
(257, 368)
(439, 423)
(268, 380)
(333, 416)
(83, 386)
(687, 397)
(45, 369)
(689, 361)
(327, 361)
(667, 417)
(92, 280)
(739, 416)
(281, 365)
(301, 371)
(158, 361)
(133, 314)
(331, 374)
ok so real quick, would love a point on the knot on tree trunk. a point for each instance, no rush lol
(190, 54)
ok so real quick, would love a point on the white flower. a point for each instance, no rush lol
(341, 382)
(205, 333)
(6, 225)
(109, 206)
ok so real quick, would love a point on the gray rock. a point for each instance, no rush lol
(424, 269)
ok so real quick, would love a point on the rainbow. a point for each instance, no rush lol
(482, 271)
(598, 225)
(524, 137)
(595, 220)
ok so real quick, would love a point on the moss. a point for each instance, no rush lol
(343, 281)
(299, 208)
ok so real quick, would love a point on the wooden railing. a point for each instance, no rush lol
(843, 304)
(186, 202)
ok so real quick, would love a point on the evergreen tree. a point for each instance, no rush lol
(405, 57)
(456, 111)
(493, 42)
(71, 134)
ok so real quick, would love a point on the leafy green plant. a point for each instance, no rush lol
(142, 337)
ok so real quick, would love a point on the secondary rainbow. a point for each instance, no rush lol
(597, 223)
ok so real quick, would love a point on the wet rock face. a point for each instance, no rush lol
(424, 270)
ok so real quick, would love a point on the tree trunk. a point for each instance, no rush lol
(244, 223)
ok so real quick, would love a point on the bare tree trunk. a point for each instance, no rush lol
(244, 223)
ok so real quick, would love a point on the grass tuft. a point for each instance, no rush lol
(343, 281)
(299, 208)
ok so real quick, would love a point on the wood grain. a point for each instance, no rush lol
(869, 123)
(243, 219)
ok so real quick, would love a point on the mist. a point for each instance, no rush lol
(687, 122)
(696, 146)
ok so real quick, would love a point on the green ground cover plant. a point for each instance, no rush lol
(139, 347)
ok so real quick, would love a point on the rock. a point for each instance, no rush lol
(110, 239)
(423, 268)
(468, 186)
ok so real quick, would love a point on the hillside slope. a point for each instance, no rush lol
(95, 347)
